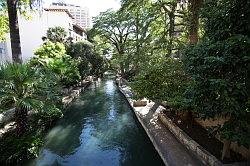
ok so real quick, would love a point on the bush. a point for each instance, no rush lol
(18, 149)
(29, 89)
(220, 72)
(56, 34)
(53, 57)
(163, 80)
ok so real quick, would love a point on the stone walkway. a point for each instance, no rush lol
(172, 152)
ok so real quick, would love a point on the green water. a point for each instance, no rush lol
(99, 129)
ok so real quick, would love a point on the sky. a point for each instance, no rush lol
(95, 6)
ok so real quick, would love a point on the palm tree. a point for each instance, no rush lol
(12, 6)
(27, 89)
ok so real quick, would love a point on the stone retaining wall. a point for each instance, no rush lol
(206, 157)
(7, 116)
(168, 147)
(131, 104)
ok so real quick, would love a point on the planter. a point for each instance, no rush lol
(206, 157)
(140, 103)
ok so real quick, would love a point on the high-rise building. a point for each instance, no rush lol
(81, 14)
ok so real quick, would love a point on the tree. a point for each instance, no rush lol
(56, 34)
(90, 61)
(219, 66)
(52, 56)
(163, 79)
(194, 6)
(13, 7)
(115, 28)
(142, 14)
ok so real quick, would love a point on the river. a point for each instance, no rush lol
(98, 129)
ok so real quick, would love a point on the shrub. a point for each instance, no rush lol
(53, 57)
(18, 149)
(163, 80)
(56, 34)
(28, 89)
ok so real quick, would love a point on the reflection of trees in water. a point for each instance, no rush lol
(103, 123)
(69, 129)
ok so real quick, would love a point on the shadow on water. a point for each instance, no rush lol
(98, 129)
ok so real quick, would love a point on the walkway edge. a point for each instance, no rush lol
(169, 148)
(145, 128)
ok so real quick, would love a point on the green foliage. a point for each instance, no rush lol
(56, 34)
(50, 50)
(163, 80)
(26, 89)
(220, 73)
(233, 15)
(219, 66)
(18, 149)
(4, 28)
(141, 29)
(90, 61)
(52, 56)
(114, 27)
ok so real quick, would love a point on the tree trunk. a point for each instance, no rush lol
(194, 24)
(171, 32)
(226, 149)
(21, 119)
(122, 69)
(171, 16)
(14, 31)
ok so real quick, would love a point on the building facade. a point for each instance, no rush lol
(81, 14)
(32, 30)
(5, 49)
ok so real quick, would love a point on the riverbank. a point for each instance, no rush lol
(6, 118)
(172, 152)
(39, 124)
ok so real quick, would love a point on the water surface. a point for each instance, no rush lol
(98, 129)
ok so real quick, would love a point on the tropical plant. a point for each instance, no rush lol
(16, 150)
(28, 89)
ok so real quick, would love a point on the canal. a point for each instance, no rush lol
(98, 129)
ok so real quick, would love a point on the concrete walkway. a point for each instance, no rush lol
(172, 152)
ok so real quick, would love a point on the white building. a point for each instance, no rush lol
(32, 31)
(81, 14)
(5, 52)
